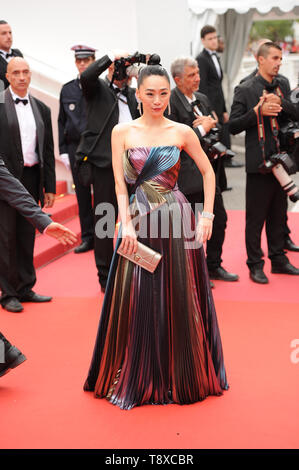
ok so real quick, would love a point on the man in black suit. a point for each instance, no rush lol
(26, 146)
(106, 106)
(13, 192)
(71, 124)
(211, 76)
(288, 242)
(263, 100)
(200, 116)
(6, 52)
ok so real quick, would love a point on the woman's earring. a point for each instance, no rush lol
(139, 107)
(169, 109)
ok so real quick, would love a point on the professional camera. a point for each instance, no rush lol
(213, 147)
(287, 136)
(282, 165)
(123, 66)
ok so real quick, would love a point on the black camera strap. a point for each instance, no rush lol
(261, 131)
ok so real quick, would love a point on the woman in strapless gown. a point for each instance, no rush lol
(158, 339)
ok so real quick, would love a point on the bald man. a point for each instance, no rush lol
(26, 146)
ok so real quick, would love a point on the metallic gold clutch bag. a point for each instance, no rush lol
(144, 257)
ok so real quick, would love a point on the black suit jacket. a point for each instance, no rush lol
(210, 83)
(3, 67)
(190, 179)
(243, 118)
(10, 141)
(102, 113)
(14, 193)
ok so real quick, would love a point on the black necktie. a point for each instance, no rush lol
(18, 100)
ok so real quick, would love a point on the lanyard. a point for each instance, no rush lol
(274, 127)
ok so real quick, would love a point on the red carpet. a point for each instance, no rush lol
(42, 404)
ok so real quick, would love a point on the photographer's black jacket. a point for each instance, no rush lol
(100, 101)
(243, 117)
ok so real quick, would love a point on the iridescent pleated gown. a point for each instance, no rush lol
(158, 339)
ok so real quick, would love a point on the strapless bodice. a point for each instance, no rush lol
(160, 164)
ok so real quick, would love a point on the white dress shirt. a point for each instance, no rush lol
(197, 110)
(216, 62)
(27, 127)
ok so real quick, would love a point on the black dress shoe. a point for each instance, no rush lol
(13, 305)
(85, 246)
(286, 268)
(13, 357)
(222, 275)
(233, 164)
(258, 275)
(103, 289)
(290, 245)
(33, 297)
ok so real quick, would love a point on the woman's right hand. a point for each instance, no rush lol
(129, 239)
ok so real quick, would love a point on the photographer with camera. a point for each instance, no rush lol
(289, 245)
(261, 107)
(193, 109)
(107, 104)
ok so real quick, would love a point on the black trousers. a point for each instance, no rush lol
(215, 244)
(84, 199)
(266, 203)
(17, 236)
(105, 216)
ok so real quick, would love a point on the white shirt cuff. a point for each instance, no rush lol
(111, 56)
(201, 130)
(45, 230)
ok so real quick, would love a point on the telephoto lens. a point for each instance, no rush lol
(286, 182)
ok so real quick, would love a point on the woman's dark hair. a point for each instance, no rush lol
(150, 70)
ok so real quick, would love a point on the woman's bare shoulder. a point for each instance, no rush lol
(124, 127)
(179, 127)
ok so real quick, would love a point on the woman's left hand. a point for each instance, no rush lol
(204, 229)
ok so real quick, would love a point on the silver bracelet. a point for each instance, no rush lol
(208, 215)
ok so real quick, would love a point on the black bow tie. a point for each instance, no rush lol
(18, 100)
(6, 55)
(195, 103)
(123, 91)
